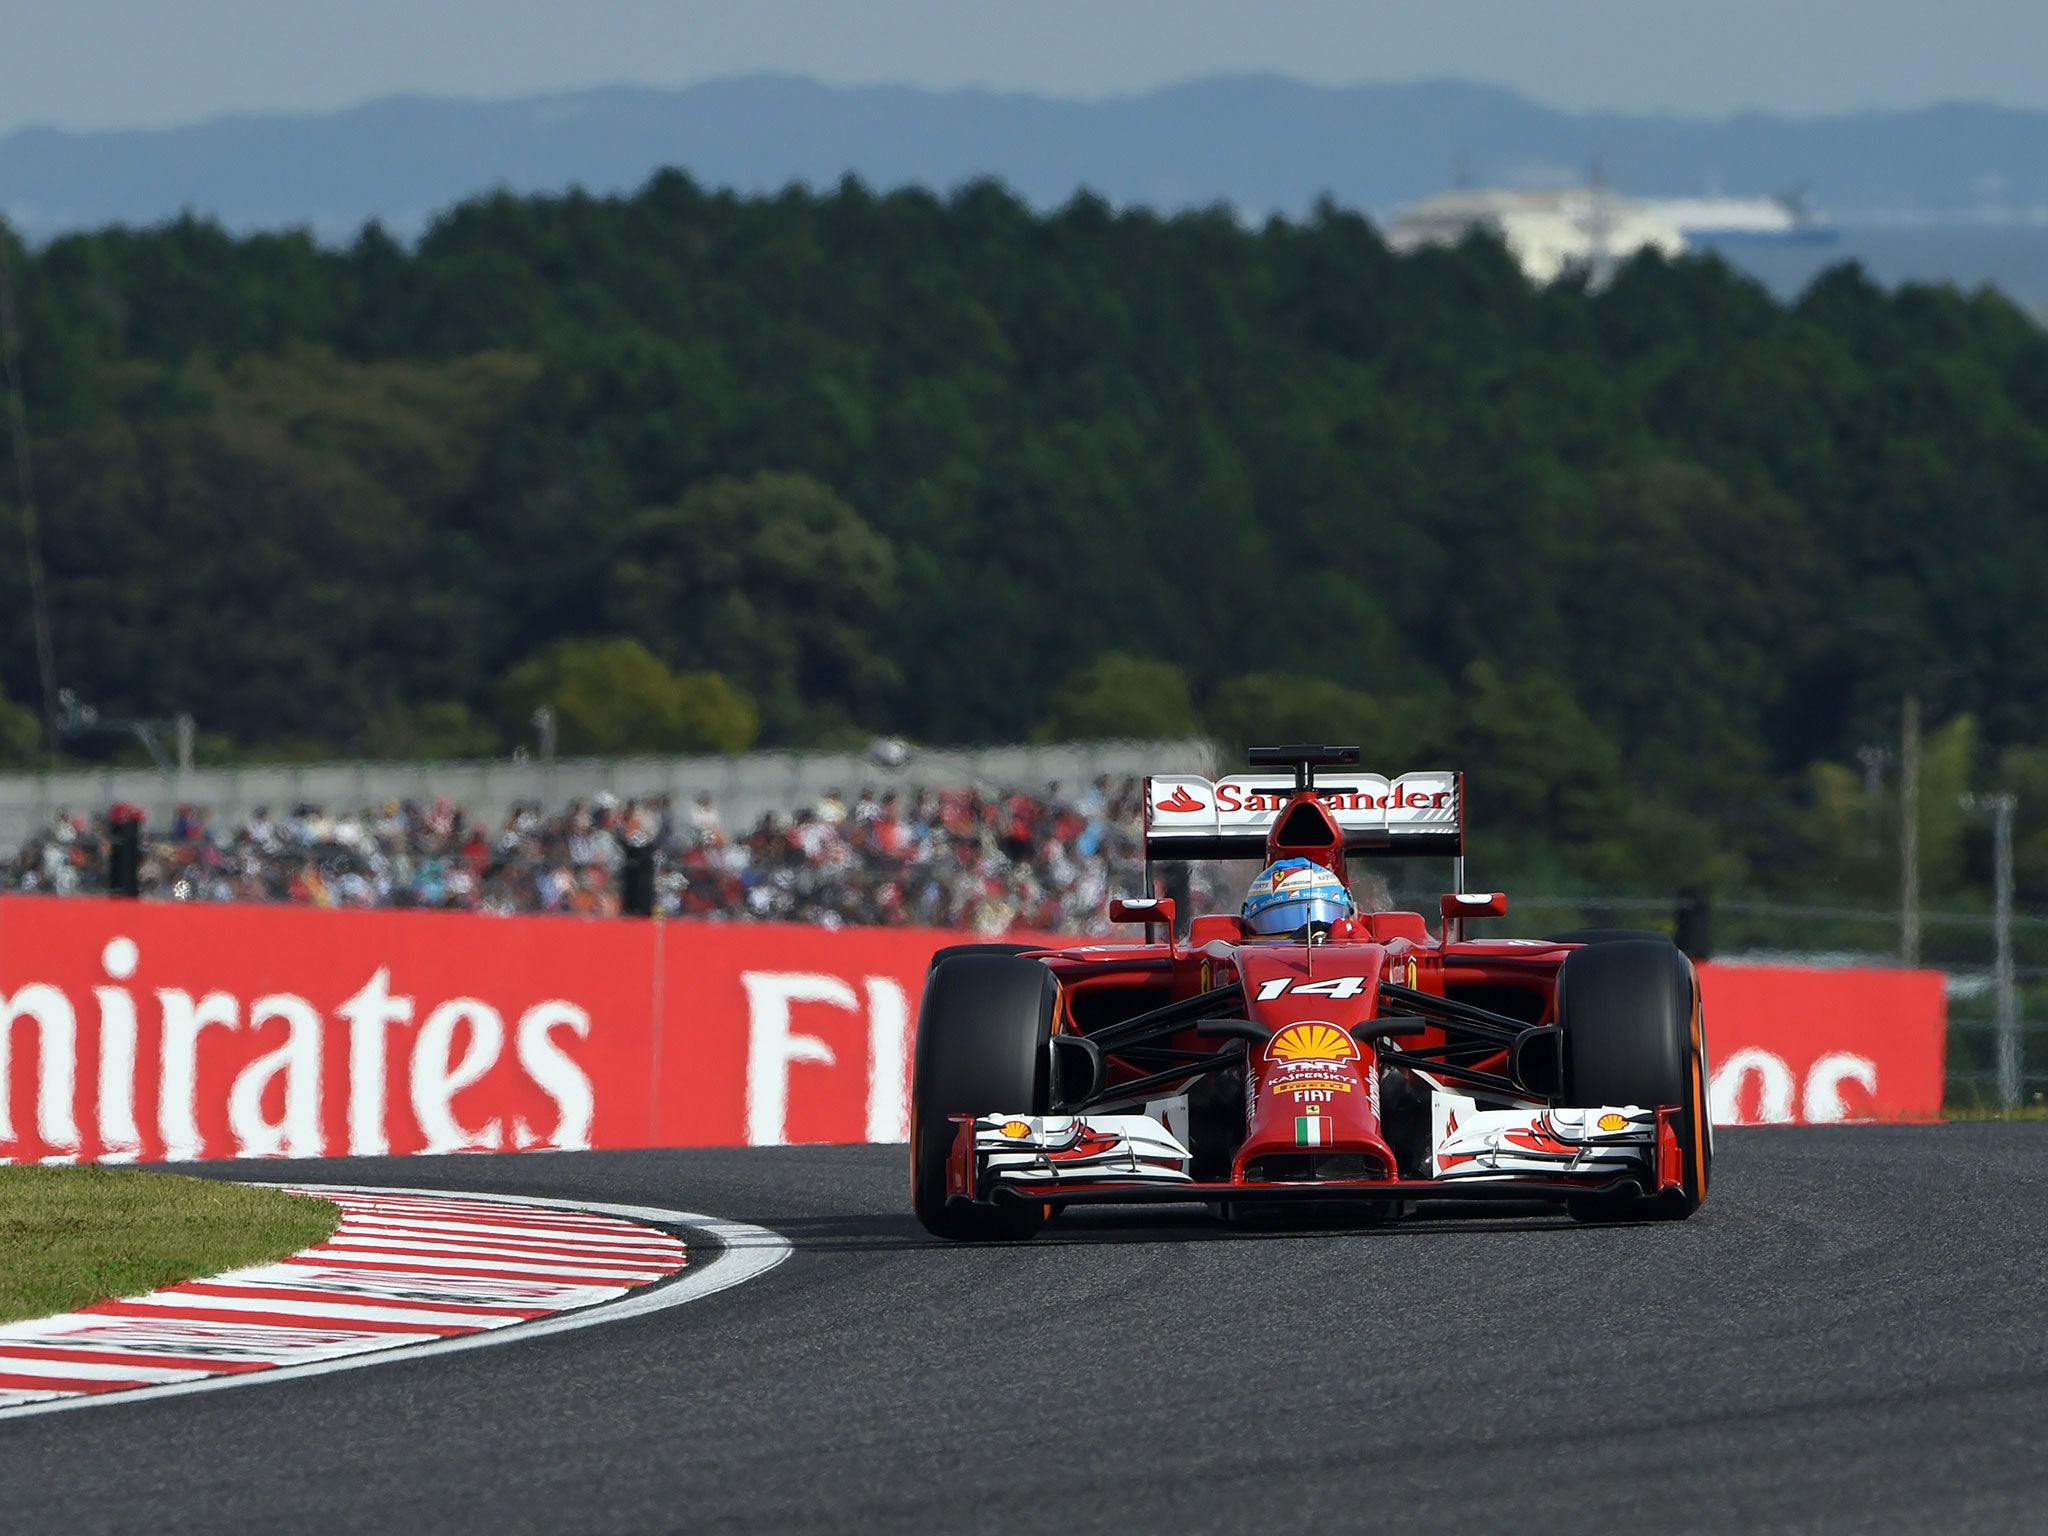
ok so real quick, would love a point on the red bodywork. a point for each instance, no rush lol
(1322, 1062)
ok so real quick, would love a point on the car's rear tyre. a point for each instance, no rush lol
(950, 950)
(1633, 1034)
(983, 1047)
(1605, 935)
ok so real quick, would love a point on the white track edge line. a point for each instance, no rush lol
(746, 1252)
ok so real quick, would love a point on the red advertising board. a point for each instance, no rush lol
(1798, 1045)
(772, 1032)
(160, 1031)
(172, 1031)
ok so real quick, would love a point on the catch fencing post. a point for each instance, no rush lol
(1694, 923)
(2005, 994)
(124, 850)
(638, 885)
(1909, 831)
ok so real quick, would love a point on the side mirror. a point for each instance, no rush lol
(1479, 904)
(1457, 906)
(1142, 909)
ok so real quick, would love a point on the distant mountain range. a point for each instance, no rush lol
(1259, 143)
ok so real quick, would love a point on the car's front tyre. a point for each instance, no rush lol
(1632, 1031)
(983, 1047)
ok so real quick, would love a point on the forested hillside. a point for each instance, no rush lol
(705, 471)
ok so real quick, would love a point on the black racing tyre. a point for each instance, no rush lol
(950, 950)
(1633, 1034)
(983, 1047)
(1606, 936)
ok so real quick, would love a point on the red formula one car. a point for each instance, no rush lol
(1371, 1068)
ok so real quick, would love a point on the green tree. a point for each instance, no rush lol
(1850, 825)
(445, 730)
(1120, 697)
(712, 715)
(775, 582)
(918, 464)
(21, 735)
(2022, 772)
(1948, 771)
(1539, 772)
(615, 696)
(1393, 734)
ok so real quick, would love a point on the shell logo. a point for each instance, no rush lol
(1312, 1042)
(1613, 1122)
(1016, 1130)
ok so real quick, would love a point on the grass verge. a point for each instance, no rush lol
(73, 1236)
(2034, 1111)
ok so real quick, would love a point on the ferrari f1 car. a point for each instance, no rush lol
(1376, 1067)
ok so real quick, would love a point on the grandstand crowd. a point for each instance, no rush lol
(963, 858)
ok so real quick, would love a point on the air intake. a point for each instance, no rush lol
(1307, 825)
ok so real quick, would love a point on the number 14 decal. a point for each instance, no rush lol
(1336, 986)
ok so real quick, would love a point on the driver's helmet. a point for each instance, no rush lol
(1295, 899)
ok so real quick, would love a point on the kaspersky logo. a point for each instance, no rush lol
(1180, 800)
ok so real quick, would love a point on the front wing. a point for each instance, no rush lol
(1062, 1160)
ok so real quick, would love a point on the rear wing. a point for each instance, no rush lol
(1190, 818)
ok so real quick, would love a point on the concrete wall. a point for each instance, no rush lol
(745, 786)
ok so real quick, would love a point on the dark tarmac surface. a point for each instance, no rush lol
(1852, 1335)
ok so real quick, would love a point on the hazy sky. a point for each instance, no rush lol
(104, 63)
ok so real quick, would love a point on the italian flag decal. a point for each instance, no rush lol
(1311, 1131)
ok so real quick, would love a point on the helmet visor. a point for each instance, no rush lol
(1301, 915)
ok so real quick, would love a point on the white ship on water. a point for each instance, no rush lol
(1593, 228)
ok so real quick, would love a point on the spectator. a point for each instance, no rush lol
(705, 826)
(953, 857)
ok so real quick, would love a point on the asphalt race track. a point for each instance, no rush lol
(1852, 1336)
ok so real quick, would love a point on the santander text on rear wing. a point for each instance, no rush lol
(1191, 818)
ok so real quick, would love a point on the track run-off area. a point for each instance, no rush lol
(1852, 1335)
(407, 1272)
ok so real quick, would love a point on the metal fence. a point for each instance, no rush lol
(1962, 944)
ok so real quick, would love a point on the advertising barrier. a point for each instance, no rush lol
(1798, 1045)
(171, 1032)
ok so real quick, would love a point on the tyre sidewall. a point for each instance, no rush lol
(983, 1047)
(1633, 1034)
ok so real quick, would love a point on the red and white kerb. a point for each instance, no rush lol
(400, 1269)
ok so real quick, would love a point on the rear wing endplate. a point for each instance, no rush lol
(1191, 818)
